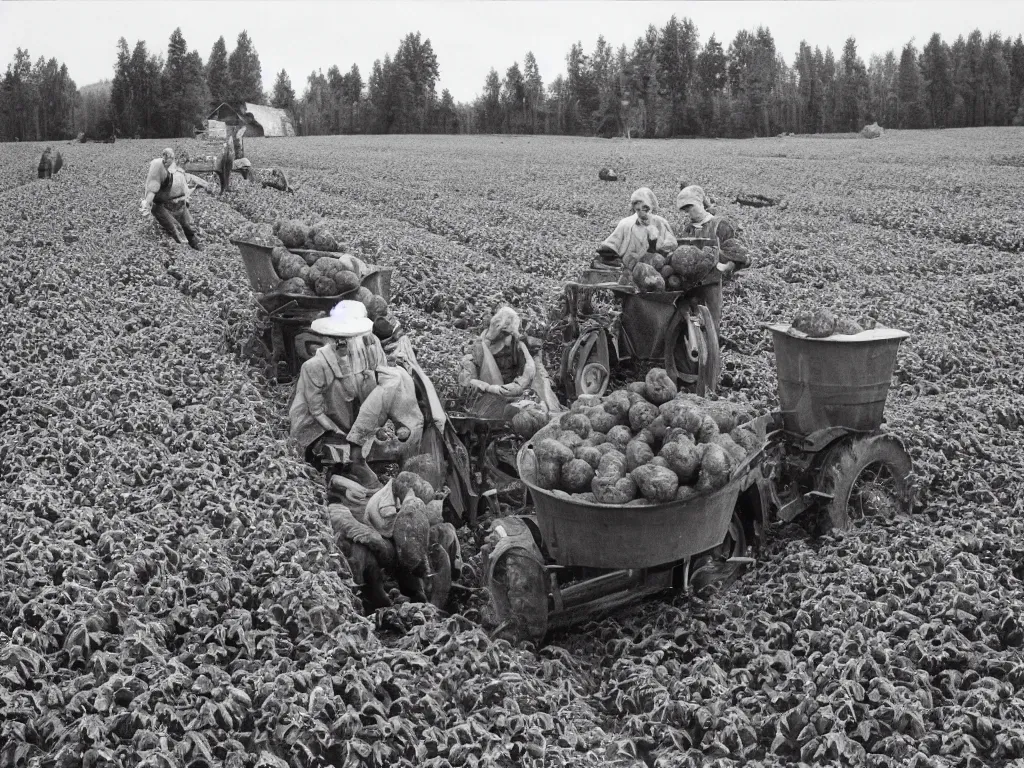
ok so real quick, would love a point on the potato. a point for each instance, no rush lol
(613, 490)
(637, 454)
(645, 435)
(557, 451)
(817, 324)
(731, 448)
(678, 413)
(648, 279)
(656, 483)
(612, 464)
(577, 476)
(412, 534)
(589, 454)
(570, 439)
(723, 413)
(745, 438)
(583, 402)
(641, 414)
(578, 423)
(683, 458)
(617, 405)
(636, 388)
(619, 437)
(686, 492)
(708, 429)
(715, 466)
(658, 428)
(602, 421)
(659, 388)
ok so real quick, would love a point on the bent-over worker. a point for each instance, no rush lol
(346, 391)
(167, 194)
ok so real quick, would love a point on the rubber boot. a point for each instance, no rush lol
(411, 586)
(366, 569)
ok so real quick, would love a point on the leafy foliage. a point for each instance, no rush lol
(170, 590)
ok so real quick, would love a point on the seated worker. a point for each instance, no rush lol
(346, 391)
(643, 232)
(393, 533)
(732, 252)
(167, 194)
(500, 367)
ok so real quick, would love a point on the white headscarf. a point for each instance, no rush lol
(647, 196)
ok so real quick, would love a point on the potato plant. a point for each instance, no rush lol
(170, 590)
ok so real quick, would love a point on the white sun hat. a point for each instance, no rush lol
(347, 319)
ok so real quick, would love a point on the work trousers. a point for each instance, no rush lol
(175, 218)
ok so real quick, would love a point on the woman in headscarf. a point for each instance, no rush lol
(642, 232)
(500, 367)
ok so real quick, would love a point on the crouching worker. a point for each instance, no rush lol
(502, 373)
(400, 531)
(167, 194)
(347, 391)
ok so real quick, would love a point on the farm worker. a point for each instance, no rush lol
(346, 391)
(500, 367)
(167, 194)
(643, 232)
(732, 254)
(708, 202)
(49, 165)
(367, 535)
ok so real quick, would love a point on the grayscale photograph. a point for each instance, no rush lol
(486, 384)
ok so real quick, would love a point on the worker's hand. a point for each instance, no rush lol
(145, 206)
(510, 390)
(479, 386)
(403, 433)
(726, 268)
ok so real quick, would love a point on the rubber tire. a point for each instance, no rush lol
(703, 581)
(523, 584)
(844, 465)
(707, 373)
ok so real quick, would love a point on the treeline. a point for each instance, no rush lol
(150, 95)
(667, 84)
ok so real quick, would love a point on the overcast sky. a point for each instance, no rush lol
(468, 36)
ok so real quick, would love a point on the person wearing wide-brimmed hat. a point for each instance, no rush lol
(346, 391)
(642, 232)
(167, 194)
(732, 250)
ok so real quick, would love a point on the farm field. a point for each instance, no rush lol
(170, 591)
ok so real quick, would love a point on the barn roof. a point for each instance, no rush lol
(275, 122)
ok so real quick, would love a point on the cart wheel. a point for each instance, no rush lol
(866, 477)
(518, 586)
(590, 365)
(439, 582)
(703, 373)
(710, 571)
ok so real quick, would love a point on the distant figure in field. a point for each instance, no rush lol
(48, 164)
(167, 194)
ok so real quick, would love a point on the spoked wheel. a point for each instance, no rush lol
(698, 367)
(867, 477)
(710, 571)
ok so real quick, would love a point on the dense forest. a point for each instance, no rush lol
(667, 84)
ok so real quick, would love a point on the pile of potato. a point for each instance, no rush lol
(682, 270)
(647, 443)
(822, 323)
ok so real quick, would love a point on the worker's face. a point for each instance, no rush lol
(642, 211)
(168, 159)
(694, 211)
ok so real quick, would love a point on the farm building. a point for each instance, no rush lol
(261, 120)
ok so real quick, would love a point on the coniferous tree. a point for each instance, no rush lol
(245, 73)
(218, 78)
